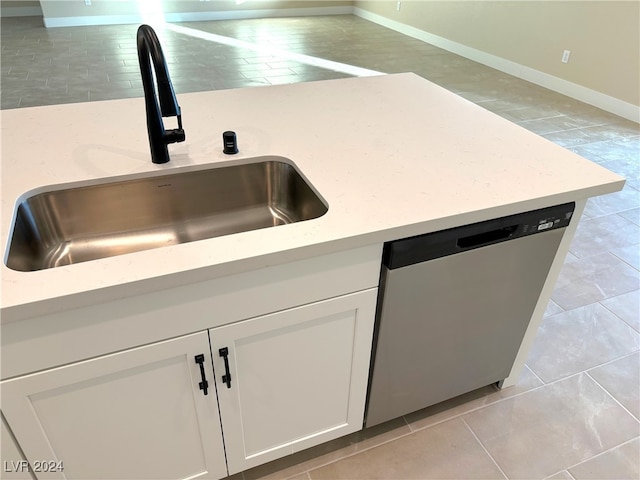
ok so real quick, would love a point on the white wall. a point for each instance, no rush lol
(61, 13)
(527, 38)
(24, 8)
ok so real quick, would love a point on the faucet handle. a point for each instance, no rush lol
(174, 136)
(177, 134)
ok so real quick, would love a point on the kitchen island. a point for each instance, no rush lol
(391, 156)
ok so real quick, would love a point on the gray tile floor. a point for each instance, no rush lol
(575, 411)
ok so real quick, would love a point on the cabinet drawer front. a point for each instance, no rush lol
(297, 377)
(134, 414)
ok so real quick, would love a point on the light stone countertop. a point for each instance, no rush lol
(393, 156)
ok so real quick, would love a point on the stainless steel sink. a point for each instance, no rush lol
(73, 225)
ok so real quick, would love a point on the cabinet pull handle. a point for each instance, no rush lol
(204, 385)
(226, 378)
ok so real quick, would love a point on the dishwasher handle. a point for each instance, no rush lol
(486, 237)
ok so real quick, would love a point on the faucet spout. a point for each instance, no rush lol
(149, 49)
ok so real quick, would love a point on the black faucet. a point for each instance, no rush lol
(149, 48)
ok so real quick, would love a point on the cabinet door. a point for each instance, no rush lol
(14, 465)
(297, 377)
(134, 414)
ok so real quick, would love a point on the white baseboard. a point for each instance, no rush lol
(592, 97)
(196, 16)
(20, 12)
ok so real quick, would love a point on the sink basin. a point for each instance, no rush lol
(78, 224)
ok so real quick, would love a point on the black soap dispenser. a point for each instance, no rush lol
(230, 142)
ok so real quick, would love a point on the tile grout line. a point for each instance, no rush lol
(624, 261)
(500, 400)
(413, 429)
(557, 131)
(627, 210)
(531, 369)
(608, 362)
(537, 388)
(611, 257)
(484, 448)
(411, 432)
(614, 398)
(614, 313)
(352, 454)
(357, 452)
(596, 456)
(307, 474)
(559, 472)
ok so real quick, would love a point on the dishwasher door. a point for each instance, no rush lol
(454, 323)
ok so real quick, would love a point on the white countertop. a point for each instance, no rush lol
(393, 156)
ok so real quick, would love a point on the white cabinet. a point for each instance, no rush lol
(293, 379)
(298, 337)
(134, 414)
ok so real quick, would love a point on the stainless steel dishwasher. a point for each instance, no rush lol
(454, 306)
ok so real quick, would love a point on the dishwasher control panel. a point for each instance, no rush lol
(408, 251)
(545, 226)
(550, 220)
